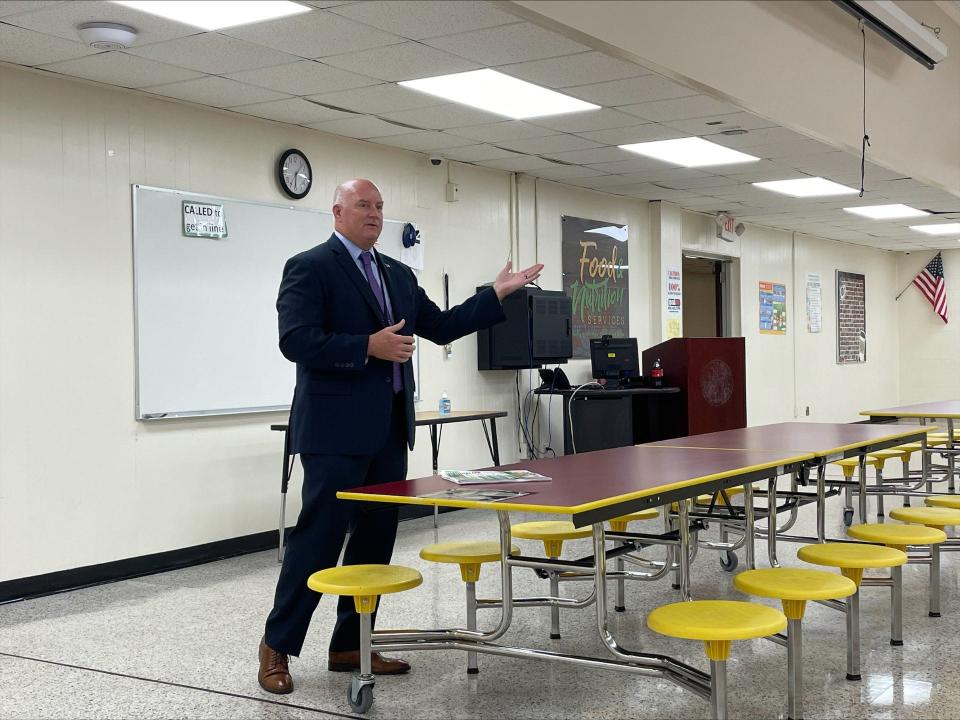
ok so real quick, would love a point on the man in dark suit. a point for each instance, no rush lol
(347, 317)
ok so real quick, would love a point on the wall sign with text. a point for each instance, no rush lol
(595, 278)
(773, 308)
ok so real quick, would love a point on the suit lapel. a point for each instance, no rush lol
(351, 270)
(390, 279)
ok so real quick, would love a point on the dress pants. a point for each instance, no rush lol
(316, 541)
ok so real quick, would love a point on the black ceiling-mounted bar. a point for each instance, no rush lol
(885, 32)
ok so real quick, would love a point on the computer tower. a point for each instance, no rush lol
(536, 332)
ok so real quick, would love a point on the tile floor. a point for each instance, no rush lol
(183, 644)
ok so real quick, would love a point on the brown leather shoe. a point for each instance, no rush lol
(274, 675)
(349, 660)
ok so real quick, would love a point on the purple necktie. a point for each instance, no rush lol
(367, 261)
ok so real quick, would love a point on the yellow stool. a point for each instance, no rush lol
(552, 533)
(851, 559)
(936, 516)
(945, 501)
(366, 583)
(469, 555)
(717, 623)
(794, 587)
(619, 525)
(899, 537)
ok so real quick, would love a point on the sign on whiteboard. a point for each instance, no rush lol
(203, 220)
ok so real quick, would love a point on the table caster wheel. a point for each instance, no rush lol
(848, 518)
(362, 701)
(729, 560)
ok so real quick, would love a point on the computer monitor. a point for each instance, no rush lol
(614, 359)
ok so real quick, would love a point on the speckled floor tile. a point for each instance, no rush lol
(200, 627)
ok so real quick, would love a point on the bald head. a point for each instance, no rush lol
(358, 212)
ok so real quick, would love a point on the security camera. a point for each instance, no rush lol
(436, 160)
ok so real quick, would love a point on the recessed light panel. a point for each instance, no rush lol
(941, 229)
(690, 152)
(217, 14)
(806, 187)
(498, 93)
(886, 212)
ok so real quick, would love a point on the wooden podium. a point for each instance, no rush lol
(711, 375)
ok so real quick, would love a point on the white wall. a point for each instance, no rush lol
(929, 351)
(794, 62)
(788, 373)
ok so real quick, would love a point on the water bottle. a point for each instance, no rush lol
(444, 404)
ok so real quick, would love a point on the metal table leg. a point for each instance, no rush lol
(750, 548)
(435, 449)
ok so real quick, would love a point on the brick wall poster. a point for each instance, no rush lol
(851, 318)
(595, 278)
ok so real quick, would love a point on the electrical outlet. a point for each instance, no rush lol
(808, 411)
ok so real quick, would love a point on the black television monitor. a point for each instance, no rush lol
(614, 359)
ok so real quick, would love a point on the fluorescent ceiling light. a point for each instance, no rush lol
(886, 212)
(498, 93)
(690, 152)
(217, 14)
(941, 229)
(805, 187)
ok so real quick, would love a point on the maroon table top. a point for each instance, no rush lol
(819, 439)
(947, 409)
(588, 481)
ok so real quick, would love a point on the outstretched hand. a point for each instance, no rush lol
(507, 282)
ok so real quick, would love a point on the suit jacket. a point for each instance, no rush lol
(327, 311)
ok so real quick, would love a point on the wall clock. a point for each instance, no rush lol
(294, 173)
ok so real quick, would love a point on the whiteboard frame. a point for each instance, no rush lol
(138, 415)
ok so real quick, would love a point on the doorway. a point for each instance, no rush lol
(704, 297)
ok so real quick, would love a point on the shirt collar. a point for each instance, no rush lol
(354, 250)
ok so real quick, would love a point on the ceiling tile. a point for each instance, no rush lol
(326, 3)
(498, 132)
(507, 44)
(585, 121)
(699, 183)
(550, 143)
(601, 181)
(634, 164)
(580, 69)
(522, 163)
(216, 91)
(630, 91)
(679, 108)
(591, 156)
(306, 77)
(213, 53)
(475, 153)
(417, 20)
(12, 7)
(715, 124)
(632, 134)
(314, 34)
(566, 172)
(117, 68)
(665, 174)
(761, 171)
(25, 47)
(378, 99)
(61, 19)
(406, 61)
(763, 136)
(441, 117)
(295, 111)
(423, 141)
(360, 126)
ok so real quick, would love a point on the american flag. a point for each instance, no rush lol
(930, 282)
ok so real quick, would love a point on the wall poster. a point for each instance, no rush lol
(814, 303)
(595, 278)
(851, 317)
(773, 308)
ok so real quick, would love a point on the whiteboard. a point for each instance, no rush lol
(205, 309)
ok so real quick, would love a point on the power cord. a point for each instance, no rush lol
(865, 143)
(573, 442)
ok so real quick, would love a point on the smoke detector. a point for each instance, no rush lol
(107, 36)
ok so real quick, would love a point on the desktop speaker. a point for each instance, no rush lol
(536, 332)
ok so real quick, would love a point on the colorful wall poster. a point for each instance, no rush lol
(773, 308)
(595, 277)
(851, 318)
